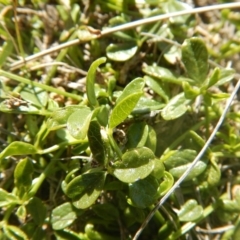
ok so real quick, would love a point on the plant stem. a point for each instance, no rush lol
(40, 85)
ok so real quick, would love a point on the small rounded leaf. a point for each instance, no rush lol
(23, 173)
(135, 164)
(190, 211)
(78, 123)
(121, 52)
(63, 216)
(176, 107)
(195, 59)
(143, 192)
(85, 189)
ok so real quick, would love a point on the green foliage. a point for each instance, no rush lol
(91, 141)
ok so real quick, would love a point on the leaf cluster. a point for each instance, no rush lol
(88, 156)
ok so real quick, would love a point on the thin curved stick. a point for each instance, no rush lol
(130, 25)
(185, 174)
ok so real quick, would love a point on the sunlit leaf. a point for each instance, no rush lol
(126, 102)
(59, 117)
(7, 198)
(91, 80)
(63, 216)
(7, 48)
(190, 211)
(121, 52)
(78, 123)
(135, 164)
(195, 59)
(180, 161)
(176, 107)
(166, 184)
(18, 148)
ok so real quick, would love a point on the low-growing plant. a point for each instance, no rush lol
(93, 160)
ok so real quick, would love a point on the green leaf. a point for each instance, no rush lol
(13, 232)
(190, 211)
(59, 117)
(85, 189)
(214, 173)
(143, 192)
(226, 75)
(106, 211)
(158, 171)
(23, 173)
(126, 102)
(167, 183)
(95, 142)
(176, 6)
(67, 234)
(18, 148)
(134, 86)
(121, 52)
(7, 48)
(63, 216)
(35, 96)
(176, 107)
(195, 59)
(146, 105)
(91, 81)
(156, 87)
(21, 213)
(161, 73)
(137, 135)
(152, 139)
(190, 92)
(7, 198)
(135, 164)
(214, 78)
(180, 161)
(37, 210)
(78, 123)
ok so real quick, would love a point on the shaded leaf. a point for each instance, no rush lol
(37, 210)
(106, 211)
(23, 173)
(143, 192)
(85, 189)
(137, 135)
(95, 142)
